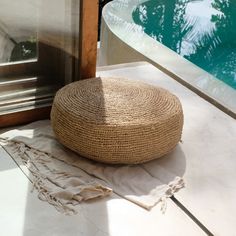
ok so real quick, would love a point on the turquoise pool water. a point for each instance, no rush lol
(204, 32)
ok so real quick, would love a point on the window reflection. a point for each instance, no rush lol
(18, 36)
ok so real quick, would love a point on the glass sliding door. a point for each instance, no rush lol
(40, 44)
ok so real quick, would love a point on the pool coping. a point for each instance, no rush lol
(117, 18)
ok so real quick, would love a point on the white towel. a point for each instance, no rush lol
(64, 179)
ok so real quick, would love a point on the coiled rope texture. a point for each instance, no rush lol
(117, 120)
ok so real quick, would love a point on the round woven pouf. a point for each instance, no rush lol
(117, 120)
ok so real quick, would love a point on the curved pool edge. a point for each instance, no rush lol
(123, 41)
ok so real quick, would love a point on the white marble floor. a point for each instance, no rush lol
(208, 149)
(209, 140)
(23, 214)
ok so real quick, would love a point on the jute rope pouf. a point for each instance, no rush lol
(117, 120)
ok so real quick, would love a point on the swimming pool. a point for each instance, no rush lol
(127, 36)
(203, 32)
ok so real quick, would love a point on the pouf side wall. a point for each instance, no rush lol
(110, 145)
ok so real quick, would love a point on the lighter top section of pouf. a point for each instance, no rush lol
(117, 120)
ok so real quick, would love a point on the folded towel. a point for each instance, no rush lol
(64, 179)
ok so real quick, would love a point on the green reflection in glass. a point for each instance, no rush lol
(24, 50)
(17, 48)
(203, 32)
